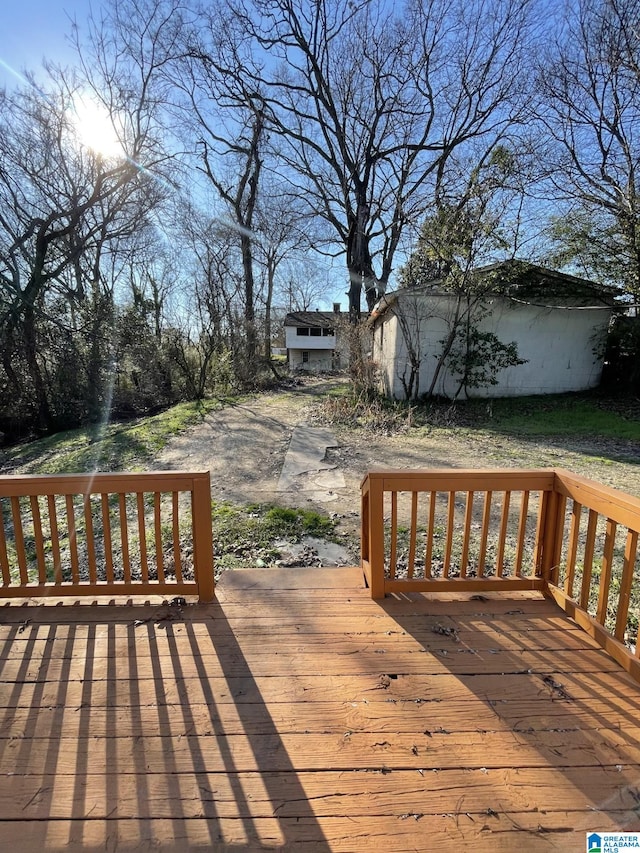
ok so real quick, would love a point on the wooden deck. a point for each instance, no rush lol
(296, 713)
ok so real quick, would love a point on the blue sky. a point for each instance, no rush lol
(33, 29)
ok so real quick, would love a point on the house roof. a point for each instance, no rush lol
(522, 278)
(519, 280)
(312, 319)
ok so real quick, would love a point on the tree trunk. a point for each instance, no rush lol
(359, 264)
(43, 413)
(271, 271)
(446, 349)
(249, 308)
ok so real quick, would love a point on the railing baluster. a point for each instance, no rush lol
(449, 542)
(158, 532)
(365, 528)
(484, 536)
(55, 539)
(124, 537)
(413, 532)
(142, 535)
(605, 572)
(626, 582)
(4, 556)
(393, 555)
(38, 538)
(72, 538)
(468, 514)
(91, 543)
(428, 556)
(504, 523)
(177, 561)
(522, 530)
(18, 538)
(106, 535)
(556, 524)
(587, 568)
(572, 549)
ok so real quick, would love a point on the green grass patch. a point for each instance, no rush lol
(127, 446)
(246, 536)
(549, 415)
(561, 415)
(342, 390)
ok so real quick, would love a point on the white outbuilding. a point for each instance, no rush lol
(557, 322)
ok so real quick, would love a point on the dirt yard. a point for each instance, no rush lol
(244, 448)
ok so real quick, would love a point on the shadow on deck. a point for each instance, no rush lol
(295, 712)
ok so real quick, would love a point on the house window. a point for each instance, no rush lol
(328, 333)
(302, 331)
(305, 357)
(315, 333)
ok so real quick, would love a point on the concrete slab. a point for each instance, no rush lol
(306, 470)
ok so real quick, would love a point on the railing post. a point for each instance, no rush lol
(364, 524)
(375, 525)
(548, 546)
(202, 536)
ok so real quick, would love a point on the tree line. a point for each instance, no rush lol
(255, 141)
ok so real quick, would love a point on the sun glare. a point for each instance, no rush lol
(94, 128)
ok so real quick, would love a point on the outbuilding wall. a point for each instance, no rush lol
(562, 344)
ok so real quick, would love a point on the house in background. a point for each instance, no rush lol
(312, 339)
(558, 322)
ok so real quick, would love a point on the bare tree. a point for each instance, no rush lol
(241, 196)
(357, 106)
(370, 101)
(59, 204)
(591, 79)
(221, 120)
(469, 226)
(282, 231)
(303, 284)
(82, 167)
(208, 328)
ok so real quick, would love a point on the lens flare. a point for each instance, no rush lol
(94, 128)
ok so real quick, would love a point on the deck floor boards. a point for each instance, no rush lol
(294, 713)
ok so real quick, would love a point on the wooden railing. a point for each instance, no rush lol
(547, 530)
(593, 574)
(106, 534)
(454, 529)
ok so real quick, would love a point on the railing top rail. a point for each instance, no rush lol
(97, 551)
(616, 505)
(609, 502)
(71, 484)
(463, 479)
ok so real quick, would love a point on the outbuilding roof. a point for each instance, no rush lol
(522, 278)
(312, 319)
(518, 280)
